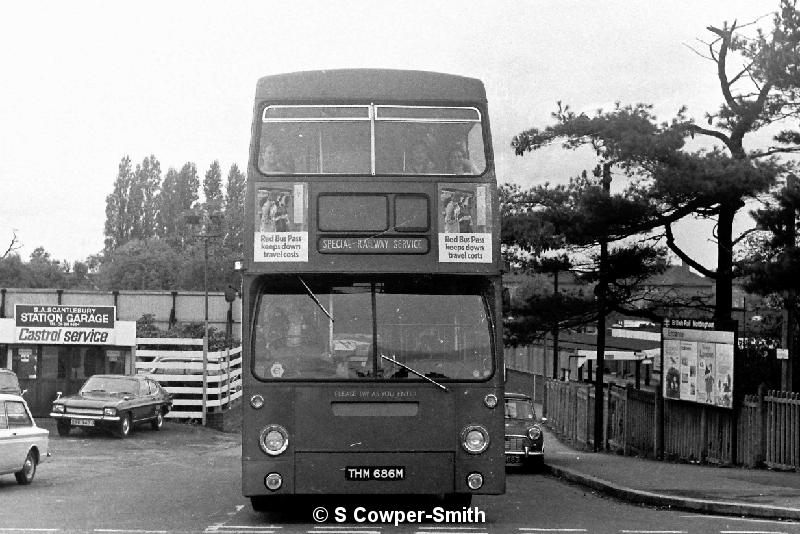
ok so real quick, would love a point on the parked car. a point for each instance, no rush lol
(23, 445)
(524, 438)
(113, 402)
(9, 382)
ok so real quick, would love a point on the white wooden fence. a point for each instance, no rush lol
(177, 364)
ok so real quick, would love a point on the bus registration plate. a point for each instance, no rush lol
(375, 473)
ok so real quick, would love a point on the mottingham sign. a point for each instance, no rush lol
(64, 325)
(698, 361)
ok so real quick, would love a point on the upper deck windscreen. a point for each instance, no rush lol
(371, 139)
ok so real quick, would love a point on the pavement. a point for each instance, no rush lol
(761, 493)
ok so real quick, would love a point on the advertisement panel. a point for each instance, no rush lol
(64, 325)
(698, 361)
(465, 230)
(281, 223)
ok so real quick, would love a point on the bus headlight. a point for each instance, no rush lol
(474, 439)
(534, 432)
(490, 400)
(273, 439)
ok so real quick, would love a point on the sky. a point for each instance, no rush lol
(85, 83)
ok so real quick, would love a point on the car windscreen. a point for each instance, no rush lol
(350, 327)
(111, 385)
(9, 383)
(519, 409)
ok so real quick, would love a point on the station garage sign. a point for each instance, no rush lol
(64, 325)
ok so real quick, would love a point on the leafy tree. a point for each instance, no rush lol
(179, 192)
(212, 188)
(234, 212)
(144, 197)
(14, 272)
(141, 264)
(131, 207)
(118, 223)
(44, 271)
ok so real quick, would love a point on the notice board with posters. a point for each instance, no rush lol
(698, 361)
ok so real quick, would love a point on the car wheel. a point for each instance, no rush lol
(28, 471)
(124, 428)
(63, 428)
(158, 422)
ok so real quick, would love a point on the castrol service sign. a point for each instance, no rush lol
(64, 325)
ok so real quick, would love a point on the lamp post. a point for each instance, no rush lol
(207, 222)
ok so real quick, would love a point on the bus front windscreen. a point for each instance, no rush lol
(309, 329)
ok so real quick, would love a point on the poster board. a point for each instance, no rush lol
(698, 361)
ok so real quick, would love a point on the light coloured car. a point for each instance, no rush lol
(23, 445)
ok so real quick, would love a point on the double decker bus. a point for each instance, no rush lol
(371, 289)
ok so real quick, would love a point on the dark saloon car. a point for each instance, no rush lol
(524, 438)
(113, 402)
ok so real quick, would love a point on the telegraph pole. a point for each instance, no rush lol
(205, 221)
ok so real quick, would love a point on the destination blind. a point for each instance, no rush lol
(373, 245)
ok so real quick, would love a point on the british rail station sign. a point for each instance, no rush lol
(698, 362)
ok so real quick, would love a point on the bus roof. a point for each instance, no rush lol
(373, 85)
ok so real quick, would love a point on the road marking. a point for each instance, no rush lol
(653, 531)
(240, 528)
(343, 531)
(533, 529)
(731, 518)
(752, 532)
(136, 531)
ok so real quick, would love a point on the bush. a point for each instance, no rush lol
(146, 327)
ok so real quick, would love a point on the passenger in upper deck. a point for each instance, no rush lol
(273, 160)
(458, 162)
(419, 161)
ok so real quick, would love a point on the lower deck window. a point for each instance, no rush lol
(324, 328)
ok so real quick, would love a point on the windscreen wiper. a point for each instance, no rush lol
(314, 298)
(404, 366)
